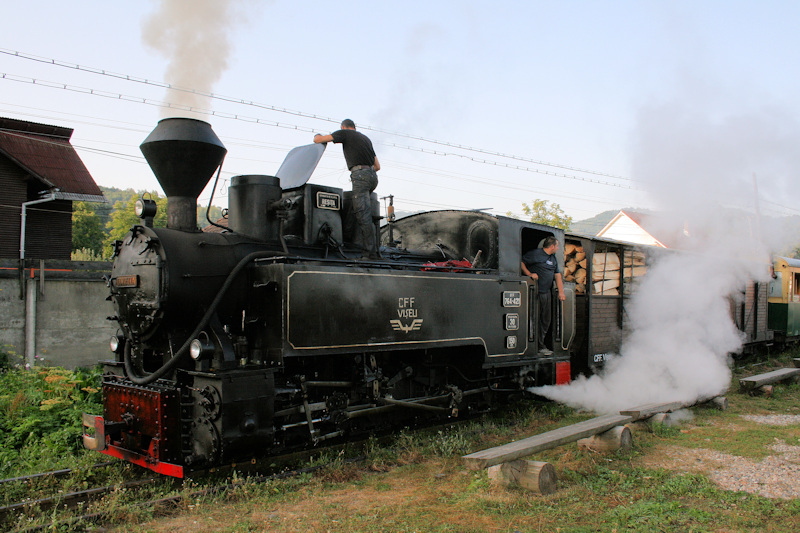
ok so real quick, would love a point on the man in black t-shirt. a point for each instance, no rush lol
(363, 165)
(541, 264)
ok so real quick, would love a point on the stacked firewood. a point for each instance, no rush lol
(605, 273)
(605, 278)
(575, 266)
(635, 268)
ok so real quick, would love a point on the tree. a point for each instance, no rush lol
(215, 213)
(87, 228)
(123, 217)
(543, 212)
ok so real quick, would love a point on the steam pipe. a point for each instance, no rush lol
(208, 209)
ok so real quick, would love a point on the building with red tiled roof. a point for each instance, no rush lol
(41, 175)
(220, 227)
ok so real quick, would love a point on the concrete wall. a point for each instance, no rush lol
(61, 318)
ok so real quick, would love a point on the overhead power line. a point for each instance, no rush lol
(259, 121)
(278, 109)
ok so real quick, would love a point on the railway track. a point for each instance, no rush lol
(61, 504)
(173, 502)
(276, 467)
(52, 474)
(79, 499)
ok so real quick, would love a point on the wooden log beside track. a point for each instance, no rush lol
(720, 402)
(544, 441)
(616, 438)
(755, 382)
(536, 476)
(660, 418)
(638, 426)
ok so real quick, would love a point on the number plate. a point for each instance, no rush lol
(127, 281)
(512, 321)
(512, 298)
(328, 200)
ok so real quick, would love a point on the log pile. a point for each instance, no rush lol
(635, 268)
(605, 273)
(575, 266)
(605, 270)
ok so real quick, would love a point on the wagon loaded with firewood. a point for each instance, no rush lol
(605, 273)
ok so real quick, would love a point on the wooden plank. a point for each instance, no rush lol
(754, 382)
(649, 409)
(543, 441)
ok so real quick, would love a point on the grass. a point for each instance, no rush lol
(417, 482)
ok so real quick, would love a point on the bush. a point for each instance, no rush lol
(40, 416)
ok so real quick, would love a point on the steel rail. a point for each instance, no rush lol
(53, 473)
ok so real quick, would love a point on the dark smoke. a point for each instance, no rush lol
(195, 38)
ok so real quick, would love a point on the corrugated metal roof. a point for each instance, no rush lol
(45, 152)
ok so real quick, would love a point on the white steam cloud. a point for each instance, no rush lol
(194, 37)
(701, 173)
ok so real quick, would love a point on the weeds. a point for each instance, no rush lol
(664, 431)
(40, 417)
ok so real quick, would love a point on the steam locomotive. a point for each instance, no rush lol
(271, 333)
(274, 333)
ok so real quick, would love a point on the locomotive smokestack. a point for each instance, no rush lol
(183, 154)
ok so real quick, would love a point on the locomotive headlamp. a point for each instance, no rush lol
(200, 349)
(117, 343)
(145, 208)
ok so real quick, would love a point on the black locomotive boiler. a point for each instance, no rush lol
(270, 334)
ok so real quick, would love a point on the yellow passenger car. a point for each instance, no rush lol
(784, 299)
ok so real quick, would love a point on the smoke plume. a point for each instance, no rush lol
(194, 37)
(700, 172)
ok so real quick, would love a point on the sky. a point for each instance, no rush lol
(470, 104)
